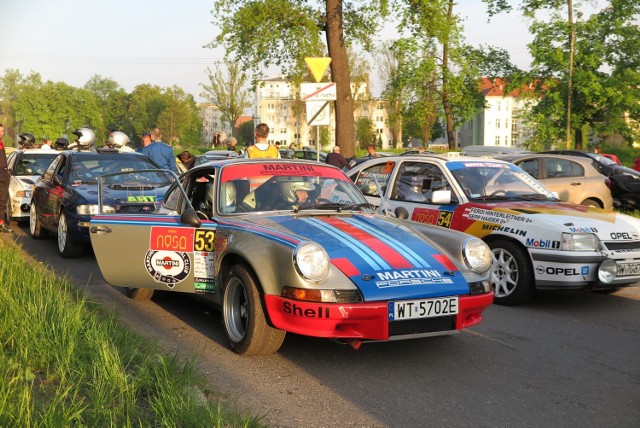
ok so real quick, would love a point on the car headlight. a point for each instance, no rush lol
(311, 261)
(607, 271)
(477, 255)
(94, 209)
(579, 242)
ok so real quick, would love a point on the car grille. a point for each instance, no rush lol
(136, 209)
(424, 325)
(616, 246)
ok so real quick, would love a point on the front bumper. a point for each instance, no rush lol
(367, 321)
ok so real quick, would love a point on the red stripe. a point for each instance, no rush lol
(391, 256)
(345, 266)
(446, 262)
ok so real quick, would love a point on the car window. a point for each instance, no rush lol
(416, 182)
(530, 166)
(32, 164)
(48, 174)
(562, 168)
(366, 179)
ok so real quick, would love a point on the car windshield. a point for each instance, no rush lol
(483, 180)
(602, 159)
(33, 163)
(87, 168)
(286, 186)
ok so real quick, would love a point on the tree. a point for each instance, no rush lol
(228, 92)
(284, 32)
(388, 69)
(365, 133)
(10, 84)
(114, 102)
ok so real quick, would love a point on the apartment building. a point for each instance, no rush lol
(212, 123)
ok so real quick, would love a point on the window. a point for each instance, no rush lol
(366, 180)
(416, 182)
(561, 168)
(498, 123)
(380, 130)
(497, 140)
(530, 166)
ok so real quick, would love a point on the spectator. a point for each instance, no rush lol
(4, 185)
(371, 149)
(187, 159)
(160, 153)
(145, 140)
(232, 144)
(46, 144)
(336, 159)
(636, 164)
(262, 148)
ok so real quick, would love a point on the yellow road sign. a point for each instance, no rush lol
(317, 66)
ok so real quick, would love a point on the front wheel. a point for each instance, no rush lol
(35, 227)
(591, 203)
(244, 321)
(67, 248)
(511, 273)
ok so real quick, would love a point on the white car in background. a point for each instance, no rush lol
(26, 167)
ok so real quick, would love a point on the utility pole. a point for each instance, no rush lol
(572, 43)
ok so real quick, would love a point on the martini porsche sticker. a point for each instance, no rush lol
(167, 267)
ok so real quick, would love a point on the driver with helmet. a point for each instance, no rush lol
(86, 139)
(27, 140)
(295, 195)
(118, 140)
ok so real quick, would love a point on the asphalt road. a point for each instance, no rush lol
(567, 359)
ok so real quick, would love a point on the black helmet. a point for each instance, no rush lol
(61, 144)
(27, 140)
(86, 138)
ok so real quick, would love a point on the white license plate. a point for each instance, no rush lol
(629, 269)
(426, 308)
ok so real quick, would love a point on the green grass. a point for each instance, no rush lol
(65, 361)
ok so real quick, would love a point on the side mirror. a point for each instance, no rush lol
(190, 217)
(401, 212)
(441, 197)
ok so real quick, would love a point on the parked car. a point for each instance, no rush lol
(66, 195)
(302, 154)
(291, 246)
(622, 180)
(492, 151)
(573, 178)
(25, 166)
(538, 241)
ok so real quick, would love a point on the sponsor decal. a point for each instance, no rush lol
(624, 235)
(171, 239)
(583, 229)
(550, 270)
(490, 216)
(542, 243)
(167, 267)
(141, 198)
(411, 277)
(505, 229)
(287, 169)
(427, 216)
(294, 309)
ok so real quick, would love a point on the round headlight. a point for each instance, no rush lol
(477, 255)
(607, 271)
(311, 261)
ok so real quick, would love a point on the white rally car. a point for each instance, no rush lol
(538, 242)
(26, 167)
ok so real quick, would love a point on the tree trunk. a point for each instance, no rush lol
(578, 138)
(446, 101)
(345, 125)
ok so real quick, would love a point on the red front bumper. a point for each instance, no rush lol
(366, 321)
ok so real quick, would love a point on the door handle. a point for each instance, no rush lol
(576, 183)
(100, 229)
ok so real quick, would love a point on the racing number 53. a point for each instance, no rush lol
(203, 240)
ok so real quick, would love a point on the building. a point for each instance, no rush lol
(212, 123)
(501, 123)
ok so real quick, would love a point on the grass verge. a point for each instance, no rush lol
(65, 361)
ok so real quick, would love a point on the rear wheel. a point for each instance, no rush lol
(511, 273)
(140, 293)
(244, 321)
(591, 203)
(67, 248)
(35, 227)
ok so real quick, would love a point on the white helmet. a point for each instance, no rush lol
(290, 193)
(86, 138)
(117, 139)
(227, 197)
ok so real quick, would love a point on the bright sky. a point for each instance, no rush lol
(158, 41)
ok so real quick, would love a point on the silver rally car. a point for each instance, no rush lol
(538, 241)
(293, 246)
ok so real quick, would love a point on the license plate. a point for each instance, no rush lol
(629, 269)
(426, 308)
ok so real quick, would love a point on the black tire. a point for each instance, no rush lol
(35, 227)
(606, 290)
(67, 248)
(511, 273)
(244, 321)
(140, 293)
(591, 203)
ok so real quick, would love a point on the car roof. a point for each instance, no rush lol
(514, 158)
(442, 158)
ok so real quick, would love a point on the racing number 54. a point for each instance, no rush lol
(203, 240)
(444, 219)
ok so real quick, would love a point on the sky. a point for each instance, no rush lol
(161, 41)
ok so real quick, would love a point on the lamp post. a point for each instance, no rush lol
(572, 43)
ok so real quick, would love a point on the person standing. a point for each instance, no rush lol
(160, 153)
(261, 148)
(4, 185)
(336, 159)
(231, 144)
(145, 140)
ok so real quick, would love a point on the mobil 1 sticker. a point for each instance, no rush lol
(167, 267)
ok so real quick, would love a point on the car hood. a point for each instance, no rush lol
(563, 217)
(383, 258)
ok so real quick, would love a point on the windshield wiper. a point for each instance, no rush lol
(535, 197)
(334, 206)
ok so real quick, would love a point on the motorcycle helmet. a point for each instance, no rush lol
(27, 140)
(86, 138)
(61, 144)
(117, 139)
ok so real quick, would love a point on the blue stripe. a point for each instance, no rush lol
(375, 262)
(393, 242)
